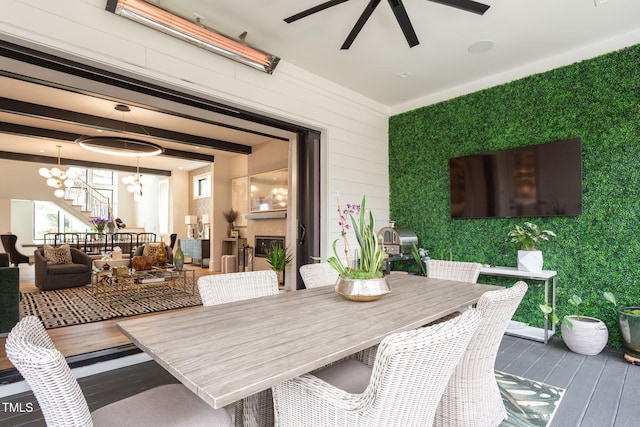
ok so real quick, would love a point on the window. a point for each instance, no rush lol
(202, 186)
(49, 218)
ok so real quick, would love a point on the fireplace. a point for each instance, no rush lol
(263, 243)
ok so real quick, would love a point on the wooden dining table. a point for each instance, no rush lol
(227, 352)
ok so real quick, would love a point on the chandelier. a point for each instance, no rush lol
(58, 178)
(134, 182)
(120, 145)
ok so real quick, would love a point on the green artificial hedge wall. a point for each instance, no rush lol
(597, 100)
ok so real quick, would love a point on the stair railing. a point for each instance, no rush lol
(90, 200)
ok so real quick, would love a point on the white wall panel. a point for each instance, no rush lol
(82, 29)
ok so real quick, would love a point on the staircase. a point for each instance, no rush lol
(87, 202)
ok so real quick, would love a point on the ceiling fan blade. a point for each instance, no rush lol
(467, 5)
(405, 23)
(360, 23)
(313, 10)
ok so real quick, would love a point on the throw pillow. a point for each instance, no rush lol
(59, 255)
(150, 249)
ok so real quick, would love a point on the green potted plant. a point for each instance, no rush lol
(582, 334)
(629, 322)
(527, 238)
(278, 258)
(361, 276)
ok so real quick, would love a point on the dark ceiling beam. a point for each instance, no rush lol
(79, 163)
(28, 109)
(34, 132)
(42, 59)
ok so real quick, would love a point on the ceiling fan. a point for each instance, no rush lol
(398, 10)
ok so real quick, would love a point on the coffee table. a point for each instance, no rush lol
(124, 286)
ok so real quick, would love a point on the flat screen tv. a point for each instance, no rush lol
(537, 180)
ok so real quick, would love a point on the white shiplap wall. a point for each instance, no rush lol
(355, 128)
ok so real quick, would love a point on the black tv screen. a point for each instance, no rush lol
(537, 180)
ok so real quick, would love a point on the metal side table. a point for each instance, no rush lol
(526, 331)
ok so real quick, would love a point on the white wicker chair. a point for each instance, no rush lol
(403, 388)
(229, 287)
(45, 369)
(255, 410)
(318, 274)
(453, 270)
(472, 397)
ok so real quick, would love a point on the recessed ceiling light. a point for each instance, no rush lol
(599, 2)
(481, 46)
(404, 74)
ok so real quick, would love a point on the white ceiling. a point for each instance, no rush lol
(524, 32)
(379, 64)
(182, 119)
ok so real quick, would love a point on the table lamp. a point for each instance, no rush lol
(190, 220)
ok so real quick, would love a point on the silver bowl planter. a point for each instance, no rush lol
(362, 289)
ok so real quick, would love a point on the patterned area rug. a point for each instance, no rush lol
(528, 403)
(73, 306)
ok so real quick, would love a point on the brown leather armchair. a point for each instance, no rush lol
(58, 276)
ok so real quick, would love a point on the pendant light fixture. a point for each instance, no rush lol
(134, 182)
(58, 178)
(120, 145)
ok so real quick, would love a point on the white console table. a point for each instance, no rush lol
(526, 331)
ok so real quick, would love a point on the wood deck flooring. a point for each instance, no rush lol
(600, 390)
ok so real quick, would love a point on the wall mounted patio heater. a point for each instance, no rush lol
(194, 33)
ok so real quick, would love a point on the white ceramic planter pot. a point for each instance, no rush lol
(588, 335)
(530, 261)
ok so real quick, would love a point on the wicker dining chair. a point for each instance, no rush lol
(402, 388)
(453, 270)
(45, 369)
(229, 287)
(318, 274)
(472, 397)
(255, 410)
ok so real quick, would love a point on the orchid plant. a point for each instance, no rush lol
(369, 262)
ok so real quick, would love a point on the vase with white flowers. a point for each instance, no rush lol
(361, 274)
(528, 237)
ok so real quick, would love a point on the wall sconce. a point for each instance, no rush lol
(175, 26)
(190, 220)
